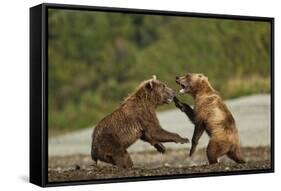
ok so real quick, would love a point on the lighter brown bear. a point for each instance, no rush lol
(134, 119)
(213, 116)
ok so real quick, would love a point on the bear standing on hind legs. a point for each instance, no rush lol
(134, 119)
(210, 114)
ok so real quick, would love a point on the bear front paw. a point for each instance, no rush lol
(184, 140)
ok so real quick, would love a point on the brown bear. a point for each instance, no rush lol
(134, 119)
(210, 114)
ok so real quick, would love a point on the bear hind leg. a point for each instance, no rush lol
(212, 154)
(215, 150)
(122, 160)
(236, 156)
(111, 151)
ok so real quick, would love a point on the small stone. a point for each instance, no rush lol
(77, 167)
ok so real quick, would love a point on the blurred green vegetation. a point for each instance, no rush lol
(96, 59)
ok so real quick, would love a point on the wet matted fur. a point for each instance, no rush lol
(210, 114)
(134, 119)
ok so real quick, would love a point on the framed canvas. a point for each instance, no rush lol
(121, 94)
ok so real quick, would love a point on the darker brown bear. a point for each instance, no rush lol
(211, 115)
(134, 119)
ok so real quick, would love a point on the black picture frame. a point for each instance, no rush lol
(39, 92)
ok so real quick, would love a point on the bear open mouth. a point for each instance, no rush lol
(183, 86)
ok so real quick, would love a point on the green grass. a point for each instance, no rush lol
(97, 59)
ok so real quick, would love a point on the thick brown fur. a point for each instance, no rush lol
(211, 115)
(134, 119)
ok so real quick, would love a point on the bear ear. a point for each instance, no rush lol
(154, 77)
(204, 80)
(149, 84)
(202, 77)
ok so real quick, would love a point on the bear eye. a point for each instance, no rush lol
(200, 75)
